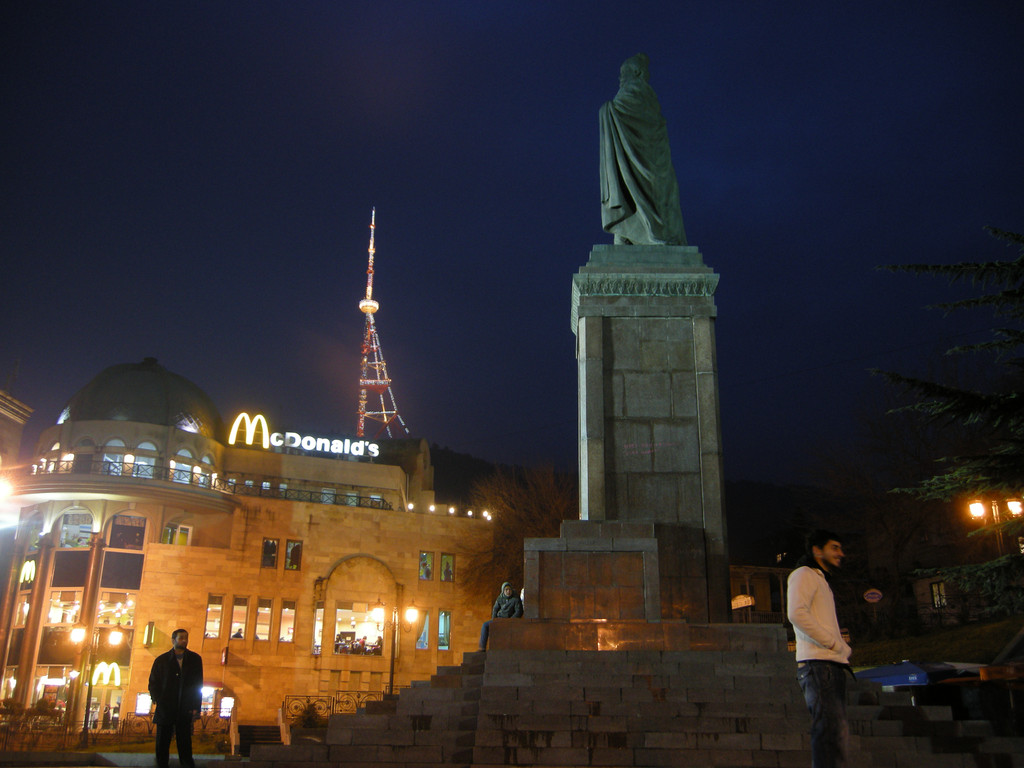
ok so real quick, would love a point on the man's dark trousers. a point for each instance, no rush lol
(824, 687)
(181, 730)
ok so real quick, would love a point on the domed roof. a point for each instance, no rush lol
(145, 392)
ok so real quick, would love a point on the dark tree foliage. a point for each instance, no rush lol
(995, 413)
(999, 412)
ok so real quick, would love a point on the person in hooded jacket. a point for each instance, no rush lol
(823, 657)
(507, 606)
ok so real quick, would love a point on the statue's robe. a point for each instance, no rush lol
(639, 192)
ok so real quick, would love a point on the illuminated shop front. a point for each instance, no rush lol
(143, 512)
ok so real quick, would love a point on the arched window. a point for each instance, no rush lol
(181, 466)
(83, 455)
(48, 461)
(113, 457)
(203, 471)
(143, 461)
(127, 532)
(75, 528)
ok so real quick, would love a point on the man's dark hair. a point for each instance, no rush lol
(177, 632)
(819, 538)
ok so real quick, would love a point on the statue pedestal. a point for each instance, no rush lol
(651, 543)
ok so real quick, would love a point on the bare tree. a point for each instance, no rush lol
(524, 503)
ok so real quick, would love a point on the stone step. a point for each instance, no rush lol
(637, 709)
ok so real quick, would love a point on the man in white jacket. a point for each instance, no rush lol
(823, 657)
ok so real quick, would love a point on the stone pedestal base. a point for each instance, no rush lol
(617, 571)
(650, 445)
(598, 635)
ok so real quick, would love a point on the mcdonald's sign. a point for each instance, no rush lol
(28, 572)
(259, 420)
(104, 672)
(308, 443)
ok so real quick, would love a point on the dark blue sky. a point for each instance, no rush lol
(193, 182)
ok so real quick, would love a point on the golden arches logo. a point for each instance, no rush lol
(104, 672)
(250, 429)
(28, 572)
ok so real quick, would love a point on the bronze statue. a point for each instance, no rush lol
(639, 192)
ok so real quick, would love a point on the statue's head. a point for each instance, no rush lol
(635, 68)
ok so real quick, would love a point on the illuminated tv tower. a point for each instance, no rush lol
(374, 373)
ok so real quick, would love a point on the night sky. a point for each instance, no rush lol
(193, 182)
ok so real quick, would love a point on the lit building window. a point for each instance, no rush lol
(75, 530)
(444, 630)
(287, 627)
(143, 704)
(9, 683)
(327, 495)
(938, 594)
(447, 567)
(264, 608)
(113, 457)
(426, 566)
(318, 628)
(144, 463)
(21, 612)
(293, 555)
(181, 466)
(176, 533)
(206, 475)
(355, 631)
(214, 612)
(65, 606)
(423, 641)
(116, 608)
(239, 617)
(227, 703)
(209, 696)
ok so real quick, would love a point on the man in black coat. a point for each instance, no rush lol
(176, 687)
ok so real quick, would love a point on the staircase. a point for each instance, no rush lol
(251, 735)
(892, 730)
(731, 707)
(431, 723)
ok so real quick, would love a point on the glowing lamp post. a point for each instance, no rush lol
(379, 616)
(980, 509)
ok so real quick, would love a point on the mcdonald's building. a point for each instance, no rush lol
(144, 510)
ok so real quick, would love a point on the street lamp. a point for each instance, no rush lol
(980, 509)
(379, 616)
(114, 638)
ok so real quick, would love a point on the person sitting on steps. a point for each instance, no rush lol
(507, 606)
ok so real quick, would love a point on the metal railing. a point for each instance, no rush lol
(240, 485)
(340, 703)
(22, 733)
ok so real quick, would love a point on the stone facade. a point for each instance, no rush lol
(272, 559)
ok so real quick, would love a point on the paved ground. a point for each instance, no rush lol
(125, 759)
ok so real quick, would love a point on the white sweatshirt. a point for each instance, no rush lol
(812, 611)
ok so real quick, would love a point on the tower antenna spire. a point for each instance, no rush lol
(373, 376)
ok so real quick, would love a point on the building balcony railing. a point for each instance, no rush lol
(340, 703)
(261, 486)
